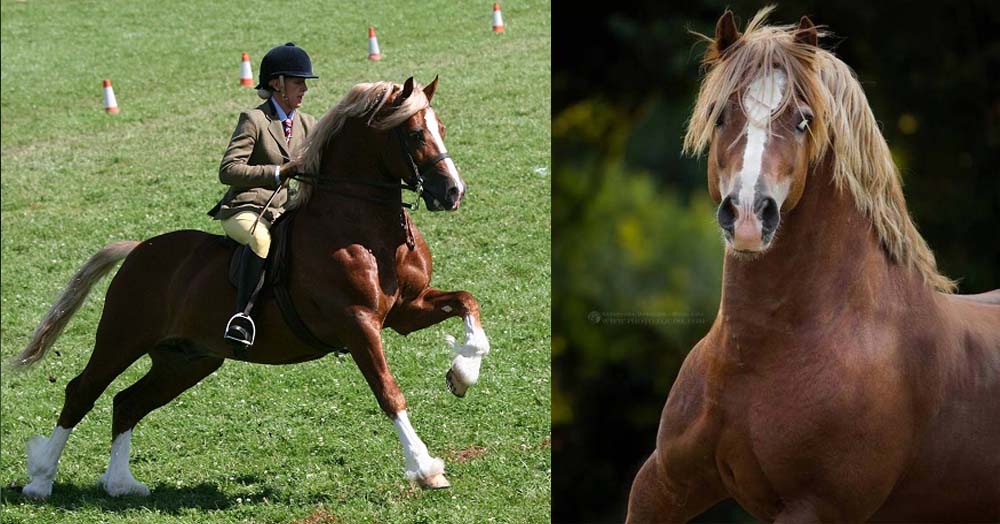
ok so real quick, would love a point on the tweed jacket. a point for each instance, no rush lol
(257, 145)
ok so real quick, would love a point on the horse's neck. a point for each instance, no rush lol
(354, 213)
(826, 260)
(352, 155)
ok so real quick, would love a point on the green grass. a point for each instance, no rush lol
(304, 443)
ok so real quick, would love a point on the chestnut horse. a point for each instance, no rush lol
(841, 380)
(358, 265)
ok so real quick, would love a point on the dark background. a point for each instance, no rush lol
(636, 251)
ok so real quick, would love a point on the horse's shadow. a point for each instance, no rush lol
(163, 497)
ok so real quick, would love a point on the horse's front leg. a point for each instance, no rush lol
(365, 345)
(431, 307)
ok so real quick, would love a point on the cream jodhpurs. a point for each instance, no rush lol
(238, 228)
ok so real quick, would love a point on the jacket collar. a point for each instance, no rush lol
(277, 131)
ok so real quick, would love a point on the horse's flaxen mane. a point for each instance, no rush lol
(363, 99)
(843, 125)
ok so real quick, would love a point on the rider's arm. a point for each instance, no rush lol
(235, 169)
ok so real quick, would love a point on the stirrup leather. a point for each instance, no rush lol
(238, 332)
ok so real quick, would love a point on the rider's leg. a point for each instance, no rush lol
(241, 329)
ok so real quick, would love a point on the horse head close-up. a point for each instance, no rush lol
(757, 110)
(842, 380)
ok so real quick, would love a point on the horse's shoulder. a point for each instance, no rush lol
(353, 256)
(693, 394)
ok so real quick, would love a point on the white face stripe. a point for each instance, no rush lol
(761, 99)
(435, 130)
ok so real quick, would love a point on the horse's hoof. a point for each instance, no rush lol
(124, 486)
(456, 387)
(37, 490)
(436, 482)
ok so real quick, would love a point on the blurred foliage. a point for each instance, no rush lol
(636, 250)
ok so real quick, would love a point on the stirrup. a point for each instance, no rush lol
(241, 332)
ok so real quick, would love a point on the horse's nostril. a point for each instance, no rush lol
(454, 193)
(727, 214)
(770, 215)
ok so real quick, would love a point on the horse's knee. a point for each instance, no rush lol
(392, 402)
(469, 302)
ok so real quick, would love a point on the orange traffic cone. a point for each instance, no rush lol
(373, 51)
(110, 104)
(497, 18)
(246, 75)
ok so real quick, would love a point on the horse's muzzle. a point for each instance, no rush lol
(443, 197)
(749, 228)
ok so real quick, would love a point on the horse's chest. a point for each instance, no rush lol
(806, 426)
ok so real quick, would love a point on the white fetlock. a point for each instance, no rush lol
(118, 479)
(43, 462)
(464, 370)
(421, 467)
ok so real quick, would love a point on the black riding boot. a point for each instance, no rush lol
(240, 329)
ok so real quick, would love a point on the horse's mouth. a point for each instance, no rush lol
(436, 204)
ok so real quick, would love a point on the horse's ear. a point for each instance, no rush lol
(407, 90)
(806, 33)
(429, 88)
(726, 35)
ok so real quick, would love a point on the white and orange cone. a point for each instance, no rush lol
(497, 18)
(110, 104)
(246, 75)
(373, 51)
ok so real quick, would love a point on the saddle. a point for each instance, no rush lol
(276, 283)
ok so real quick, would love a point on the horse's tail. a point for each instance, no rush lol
(72, 297)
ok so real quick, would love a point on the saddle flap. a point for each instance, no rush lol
(275, 281)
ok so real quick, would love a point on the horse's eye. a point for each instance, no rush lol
(721, 119)
(804, 123)
(417, 136)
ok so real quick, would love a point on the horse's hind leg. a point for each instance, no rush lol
(106, 363)
(173, 371)
(433, 306)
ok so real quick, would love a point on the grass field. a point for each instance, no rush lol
(305, 443)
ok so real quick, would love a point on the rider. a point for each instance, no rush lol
(265, 138)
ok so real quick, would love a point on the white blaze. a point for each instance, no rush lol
(761, 99)
(435, 129)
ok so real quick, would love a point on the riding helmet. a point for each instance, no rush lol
(288, 60)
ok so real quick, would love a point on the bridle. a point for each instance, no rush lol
(415, 182)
